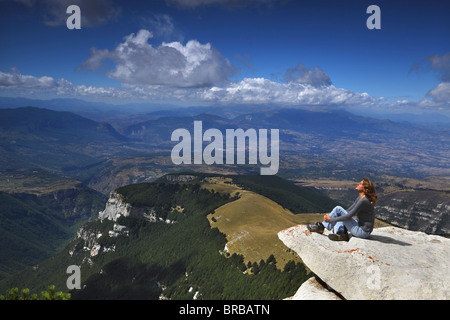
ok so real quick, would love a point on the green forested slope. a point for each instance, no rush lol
(33, 228)
(155, 256)
(295, 198)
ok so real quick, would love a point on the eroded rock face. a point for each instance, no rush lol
(116, 207)
(393, 264)
(419, 210)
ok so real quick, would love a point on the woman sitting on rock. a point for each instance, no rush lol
(342, 220)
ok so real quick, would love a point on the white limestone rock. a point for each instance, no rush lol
(115, 207)
(95, 250)
(311, 289)
(392, 264)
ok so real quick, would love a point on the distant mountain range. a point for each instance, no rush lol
(35, 137)
(102, 112)
(323, 140)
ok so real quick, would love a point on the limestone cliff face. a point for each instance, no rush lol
(420, 210)
(90, 243)
(116, 207)
(392, 264)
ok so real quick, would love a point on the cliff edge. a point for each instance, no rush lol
(393, 263)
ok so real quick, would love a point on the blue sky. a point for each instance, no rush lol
(195, 52)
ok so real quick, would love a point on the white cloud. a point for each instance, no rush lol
(171, 64)
(264, 91)
(246, 91)
(195, 72)
(16, 82)
(439, 96)
(15, 79)
(440, 93)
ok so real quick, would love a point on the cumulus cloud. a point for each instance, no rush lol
(439, 96)
(300, 74)
(171, 64)
(301, 86)
(441, 93)
(246, 91)
(15, 79)
(264, 91)
(16, 82)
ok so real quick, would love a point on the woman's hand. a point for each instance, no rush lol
(326, 218)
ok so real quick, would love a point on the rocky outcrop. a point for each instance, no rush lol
(89, 243)
(392, 264)
(89, 237)
(116, 207)
(419, 210)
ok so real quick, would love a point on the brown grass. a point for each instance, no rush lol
(252, 223)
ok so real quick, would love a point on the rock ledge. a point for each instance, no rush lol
(392, 264)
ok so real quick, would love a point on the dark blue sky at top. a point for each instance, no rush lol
(261, 40)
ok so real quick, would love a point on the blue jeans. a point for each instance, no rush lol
(351, 224)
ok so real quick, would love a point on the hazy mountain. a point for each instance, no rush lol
(33, 137)
(66, 126)
(334, 139)
(135, 112)
(313, 141)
